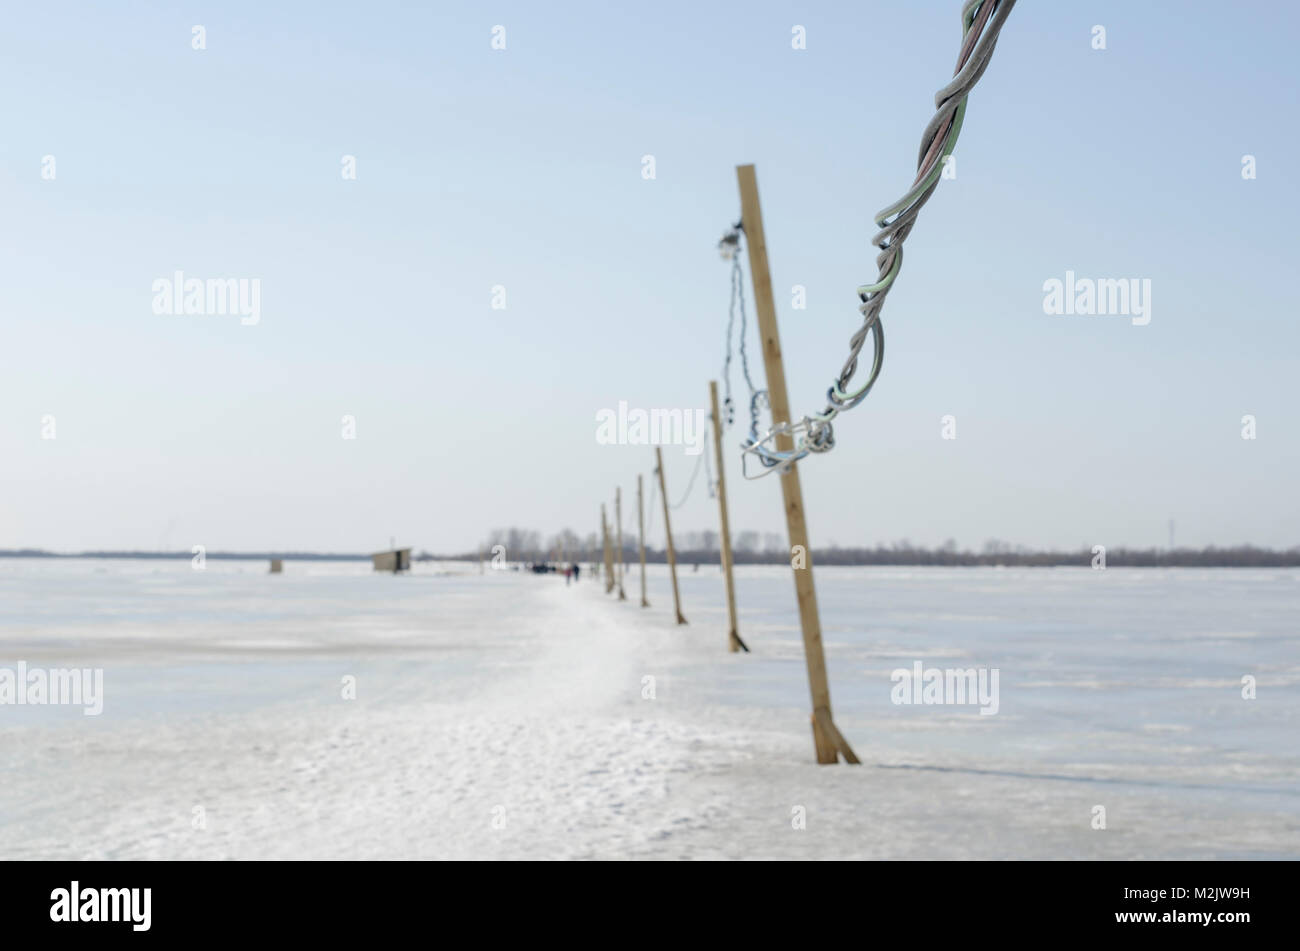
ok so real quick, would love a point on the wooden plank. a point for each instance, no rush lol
(668, 534)
(734, 643)
(607, 555)
(640, 535)
(826, 738)
(618, 521)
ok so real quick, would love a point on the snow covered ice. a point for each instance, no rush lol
(505, 715)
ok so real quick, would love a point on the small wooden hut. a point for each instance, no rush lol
(399, 559)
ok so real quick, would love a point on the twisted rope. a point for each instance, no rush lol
(982, 22)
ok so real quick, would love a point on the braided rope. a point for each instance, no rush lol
(982, 22)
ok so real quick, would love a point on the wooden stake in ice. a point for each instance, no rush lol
(618, 521)
(826, 736)
(668, 534)
(640, 536)
(608, 555)
(734, 642)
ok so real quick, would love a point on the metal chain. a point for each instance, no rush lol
(982, 21)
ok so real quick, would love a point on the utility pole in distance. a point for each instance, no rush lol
(640, 534)
(618, 522)
(734, 643)
(668, 534)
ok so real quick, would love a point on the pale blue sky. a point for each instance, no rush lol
(522, 168)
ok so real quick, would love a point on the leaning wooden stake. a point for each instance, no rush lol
(618, 521)
(734, 642)
(640, 536)
(607, 554)
(668, 534)
(826, 737)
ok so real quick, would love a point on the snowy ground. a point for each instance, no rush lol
(503, 715)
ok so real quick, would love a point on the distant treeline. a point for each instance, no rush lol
(751, 548)
(172, 555)
(1242, 556)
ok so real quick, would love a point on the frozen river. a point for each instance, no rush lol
(507, 715)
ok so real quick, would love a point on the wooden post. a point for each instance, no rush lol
(609, 565)
(826, 736)
(618, 521)
(668, 534)
(640, 535)
(734, 642)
